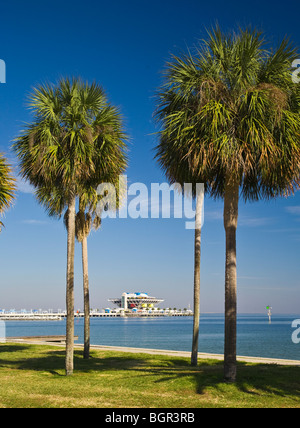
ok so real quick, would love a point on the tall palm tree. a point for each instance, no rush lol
(84, 222)
(232, 110)
(91, 206)
(87, 218)
(75, 136)
(7, 186)
(175, 113)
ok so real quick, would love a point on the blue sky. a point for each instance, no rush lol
(124, 45)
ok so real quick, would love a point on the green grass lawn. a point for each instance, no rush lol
(33, 376)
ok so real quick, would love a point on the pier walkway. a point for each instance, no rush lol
(52, 316)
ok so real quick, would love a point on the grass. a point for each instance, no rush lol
(33, 376)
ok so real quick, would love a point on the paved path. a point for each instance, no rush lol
(185, 354)
(201, 355)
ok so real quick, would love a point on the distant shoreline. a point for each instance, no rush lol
(59, 316)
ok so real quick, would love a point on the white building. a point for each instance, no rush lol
(135, 301)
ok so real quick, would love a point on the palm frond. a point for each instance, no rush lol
(7, 186)
(231, 110)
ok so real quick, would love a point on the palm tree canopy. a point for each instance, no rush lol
(75, 142)
(7, 186)
(75, 139)
(231, 112)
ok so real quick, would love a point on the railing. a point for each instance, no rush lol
(48, 315)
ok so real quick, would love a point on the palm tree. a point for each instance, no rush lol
(177, 106)
(232, 111)
(7, 186)
(88, 217)
(84, 222)
(75, 137)
(173, 157)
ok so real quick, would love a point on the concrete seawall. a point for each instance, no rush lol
(185, 354)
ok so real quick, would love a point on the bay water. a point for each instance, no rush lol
(255, 335)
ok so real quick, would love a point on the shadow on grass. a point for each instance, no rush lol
(253, 379)
(12, 348)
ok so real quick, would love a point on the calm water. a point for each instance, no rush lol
(256, 337)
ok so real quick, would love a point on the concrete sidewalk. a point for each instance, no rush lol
(201, 355)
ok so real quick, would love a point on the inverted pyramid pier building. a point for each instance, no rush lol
(136, 301)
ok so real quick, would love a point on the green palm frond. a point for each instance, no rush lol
(74, 136)
(231, 110)
(7, 186)
(76, 141)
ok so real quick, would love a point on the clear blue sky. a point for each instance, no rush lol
(124, 45)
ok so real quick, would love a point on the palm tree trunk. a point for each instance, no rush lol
(199, 206)
(70, 287)
(231, 201)
(86, 351)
